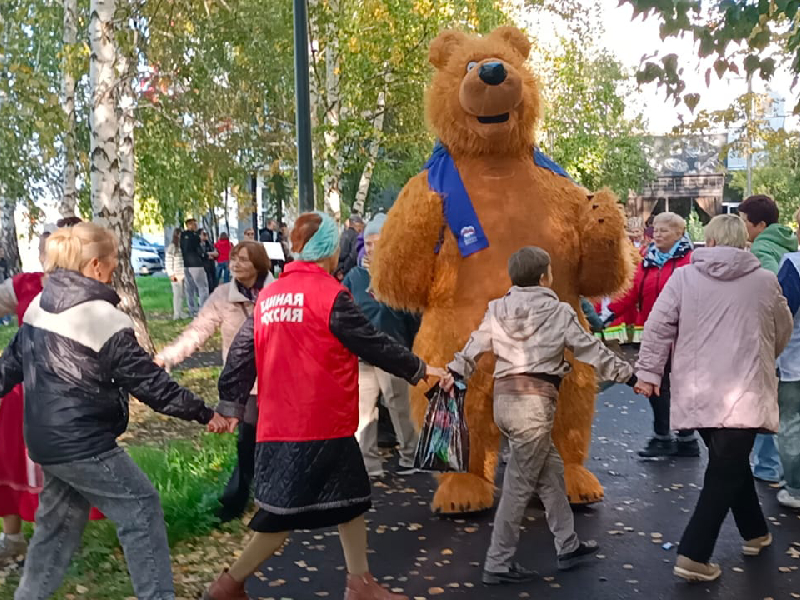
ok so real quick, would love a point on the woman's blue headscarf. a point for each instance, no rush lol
(323, 243)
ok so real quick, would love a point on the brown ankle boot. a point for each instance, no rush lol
(364, 587)
(226, 588)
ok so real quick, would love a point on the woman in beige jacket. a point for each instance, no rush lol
(226, 310)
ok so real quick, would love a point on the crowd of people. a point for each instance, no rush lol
(714, 322)
(196, 266)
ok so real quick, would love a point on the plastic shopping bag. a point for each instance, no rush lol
(444, 439)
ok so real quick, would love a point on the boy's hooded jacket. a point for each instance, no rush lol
(528, 330)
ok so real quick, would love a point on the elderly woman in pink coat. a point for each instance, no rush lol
(725, 321)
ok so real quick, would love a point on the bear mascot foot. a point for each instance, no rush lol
(582, 486)
(462, 493)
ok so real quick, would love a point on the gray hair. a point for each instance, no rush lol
(375, 225)
(727, 230)
(671, 219)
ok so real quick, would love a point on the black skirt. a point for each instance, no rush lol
(309, 485)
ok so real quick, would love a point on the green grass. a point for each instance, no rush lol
(156, 295)
(8, 333)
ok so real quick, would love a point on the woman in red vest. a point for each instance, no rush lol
(671, 249)
(303, 344)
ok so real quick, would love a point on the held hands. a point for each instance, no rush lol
(646, 389)
(434, 373)
(220, 424)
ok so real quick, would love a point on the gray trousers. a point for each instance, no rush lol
(372, 382)
(196, 285)
(117, 487)
(534, 468)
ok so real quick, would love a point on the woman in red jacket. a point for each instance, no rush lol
(670, 250)
(303, 344)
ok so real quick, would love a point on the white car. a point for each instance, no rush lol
(144, 257)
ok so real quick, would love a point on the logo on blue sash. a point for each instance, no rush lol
(444, 179)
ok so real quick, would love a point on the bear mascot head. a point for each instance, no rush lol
(483, 99)
(486, 192)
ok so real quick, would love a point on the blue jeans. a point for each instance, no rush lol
(223, 272)
(766, 460)
(789, 436)
(117, 487)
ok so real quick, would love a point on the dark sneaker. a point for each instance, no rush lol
(657, 448)
(516, 574)
(688, 449)
(577, 556)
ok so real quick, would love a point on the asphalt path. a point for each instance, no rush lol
(646, 507)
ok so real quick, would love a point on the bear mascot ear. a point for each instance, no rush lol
(515, 38)
(443, 47)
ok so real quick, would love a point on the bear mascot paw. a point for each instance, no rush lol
(448, 259)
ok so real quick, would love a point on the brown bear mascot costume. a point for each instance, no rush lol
(484, 194)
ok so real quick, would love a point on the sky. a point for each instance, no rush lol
(630, 40)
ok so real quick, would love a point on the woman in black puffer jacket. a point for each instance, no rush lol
(76, 385)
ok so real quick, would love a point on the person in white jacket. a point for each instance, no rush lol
(528, 331)
(174, 267)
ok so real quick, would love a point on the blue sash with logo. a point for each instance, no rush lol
(444, 179)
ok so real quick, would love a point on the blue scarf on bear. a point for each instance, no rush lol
(444, 179)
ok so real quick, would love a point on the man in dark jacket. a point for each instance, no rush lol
(272, 233)
(348, 247)
(194, 268)
(374, 382)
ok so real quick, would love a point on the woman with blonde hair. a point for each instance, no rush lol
(722, 321)
(20, 477)
(76, 384)
(226, 310)
(670, 250)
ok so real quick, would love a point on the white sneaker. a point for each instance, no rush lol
(787, 500)
(376, 474)
(10, 549)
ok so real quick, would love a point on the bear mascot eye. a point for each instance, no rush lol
(471, 66)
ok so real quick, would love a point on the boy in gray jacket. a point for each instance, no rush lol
(528, 331)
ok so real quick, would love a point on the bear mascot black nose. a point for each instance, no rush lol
(493, 73)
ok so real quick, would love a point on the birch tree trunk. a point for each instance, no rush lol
(69, 193)
(333, 158)
(8, 233)
(112, 198)
(103, 118)
(122, 221)
(374, 149)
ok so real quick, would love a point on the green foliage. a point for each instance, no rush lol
(30, 113)
(382, 45)
(777, 174)
(585, 128)
(745, 38)
(694, 227)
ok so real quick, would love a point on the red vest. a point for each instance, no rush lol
(307, 380)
